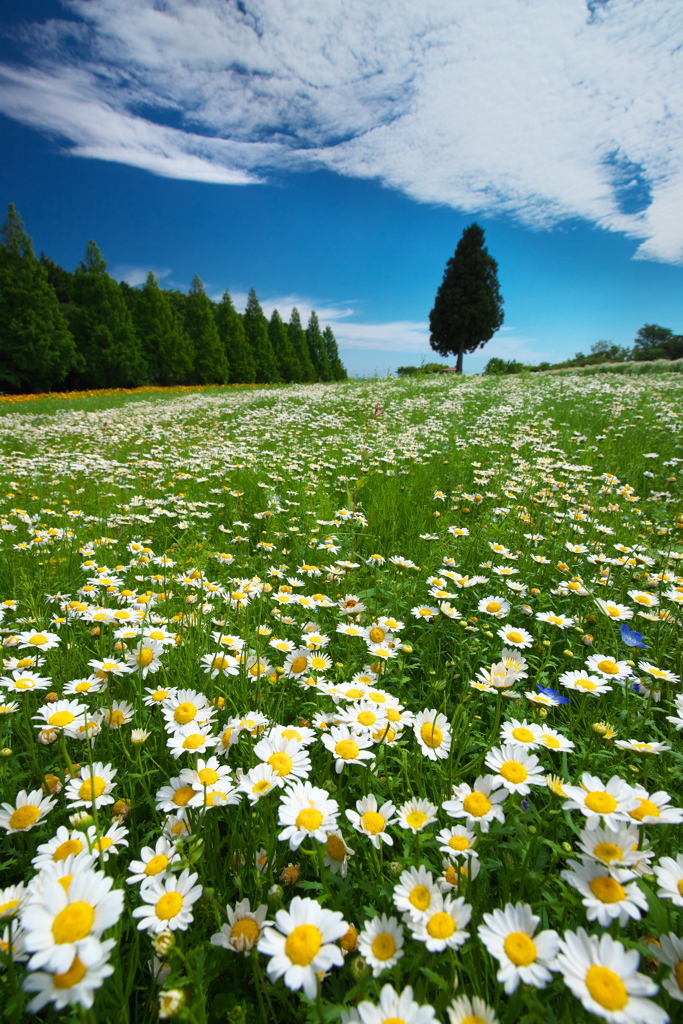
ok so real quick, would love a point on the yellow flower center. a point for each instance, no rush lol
(299, 664)
(303, 944)
(515, 637)
(291, 734)
(185, 713)
(513, 771)
(477, 805)
(102, 844)
(60, 718)
(281, 763)
(244, 933)
(377, 634)
(473, 1019)
(208, 776)
(347, 749)
(117, 717)
(145, 657)
(431, 735)
(520, 949)
(585, 684)
(373, 822)
(522, 735)
(182, 796)
(157, 864)
(606, 988)
(607, 890)
(194, 741)
(420, 897)
(678, 974)
(261, 787)
(416, 819)
(220, 663)
(168, 905)
(336, 849)
(309, 819)
(7, 908)
(159, 695)
(607, 852)
(551, 741)
(64, 850)
(459, 843)
(73, 923)
(441, 925)
(367, 718)
(383, 946)
(92, 788)
(353, 694)
(600, 802)
(69, 978)
(608, 666)
(645, 809)
(83, 686)
(38, 639)
(493, 606)
(25, 683)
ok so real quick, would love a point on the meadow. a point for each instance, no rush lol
(355, 702)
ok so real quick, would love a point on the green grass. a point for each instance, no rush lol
(558, 456)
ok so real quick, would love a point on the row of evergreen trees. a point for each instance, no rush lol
(84, 330)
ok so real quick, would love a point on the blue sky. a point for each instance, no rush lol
(330, 157)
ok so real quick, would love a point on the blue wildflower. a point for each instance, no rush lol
(631, 638)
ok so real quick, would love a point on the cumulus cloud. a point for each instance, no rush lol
(539, 109)
(135, 275)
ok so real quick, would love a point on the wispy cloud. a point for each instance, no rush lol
(539, 109)
(134, 275)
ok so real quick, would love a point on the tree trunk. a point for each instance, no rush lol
(458, 366)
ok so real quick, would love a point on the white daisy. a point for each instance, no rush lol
(168, 903)
(306, 811)
(509, 936)
(380, 943)
(301, 945)
(372, 821)
(477, 804)
(243, 929)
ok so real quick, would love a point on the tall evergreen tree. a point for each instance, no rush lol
(297, 336)
(468, 308)
(316, 347)
(282, 347)
(337, 368)
(103, 328)
(168, 349)
(37, 350)
(256, 329)
(210, 360)
(234, 340)
(59, 278)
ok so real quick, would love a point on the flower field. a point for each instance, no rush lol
(352, 703)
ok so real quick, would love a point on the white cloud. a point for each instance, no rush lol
(135, 275)
(541, 109)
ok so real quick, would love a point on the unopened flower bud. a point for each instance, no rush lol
(359, 968)
(163, 942)
(170, 1002)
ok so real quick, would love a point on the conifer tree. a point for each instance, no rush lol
(234, 340)
(103, 327)
(256, 329)
(59, 278)
(37, 350)
(210, 360)
(316, 347)
(337, 368)
(297, 336)
(282, 347)
(468, 308)
(168, 349)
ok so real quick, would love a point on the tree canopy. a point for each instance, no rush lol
(468, 308)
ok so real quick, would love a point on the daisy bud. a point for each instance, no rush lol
(163, 942)
(526, 609)
(567, 847)
(95, 631)
(170, 1002)
(81, 820)
(51, 697)
(349, 940)
(543, 712)
(600, 728)
(587, 640)
(53, 783)
(546, 643)
(6, 752)
(437, 515)
(359, 968)
(534, 591)
(395, 868)
(138, 737)
(121, 809)
(568, 654)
